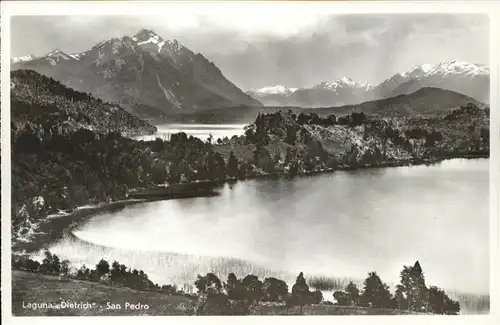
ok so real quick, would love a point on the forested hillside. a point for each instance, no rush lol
(51, 108)
(291, 143)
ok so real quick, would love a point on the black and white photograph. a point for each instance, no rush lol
(265, 158)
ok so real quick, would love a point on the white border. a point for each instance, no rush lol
(9, 8)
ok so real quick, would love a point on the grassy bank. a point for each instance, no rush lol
(32, 288)
(321, 309)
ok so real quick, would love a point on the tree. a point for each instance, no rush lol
(214, 304)
(350, 297)
(115, 270)
(331, 120)
(440, 303)
(65, 267)
(288, 156)
(300, 291)
(413, 288)
(170, 289)
(399, 300)
(291, 135)
(263, 160)
(232, 165)
(252, 287)
(209, 283)
(342, 298)
(293, 169)
(102, 267)
(83, 272)
(46, 262)
(25, 263)
(233, 287)
(376, 293)
(212, 301)
(315, 297)
(56, 264)
(274, 289)
(303, 119)
(353, 293)
(51, 263)
(216, 166)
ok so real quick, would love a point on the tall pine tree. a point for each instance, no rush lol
(376, 293)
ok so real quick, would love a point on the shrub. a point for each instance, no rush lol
(315, 297)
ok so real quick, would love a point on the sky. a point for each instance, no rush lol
(290, 47)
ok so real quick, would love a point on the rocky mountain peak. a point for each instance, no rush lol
(57, 53)
(145, 36)
(146, 74)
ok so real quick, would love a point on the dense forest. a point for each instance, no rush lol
(43, 105)
(239, 296)
(69, 149)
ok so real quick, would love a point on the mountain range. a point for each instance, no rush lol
(155, 79)
(149, 76)
(459, 76)
(426, 102)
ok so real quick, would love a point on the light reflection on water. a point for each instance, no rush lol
(201, 131)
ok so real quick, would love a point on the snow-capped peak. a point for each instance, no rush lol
(77, 56)
(147, 36)
(25, 58)
(417, 71)
(274, 90)
(343, 82)
(58, 54)
(453, 67)
(458, 67)
(426, 67)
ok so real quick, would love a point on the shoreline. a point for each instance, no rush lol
(389, 164)
(53, 228)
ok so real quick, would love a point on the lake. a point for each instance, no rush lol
(201, 131)
(342, 224)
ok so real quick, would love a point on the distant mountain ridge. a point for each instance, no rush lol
(459, 76)
(427, 101)
(142, 71)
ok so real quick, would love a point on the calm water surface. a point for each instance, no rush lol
(340, 224)
(201, 131)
